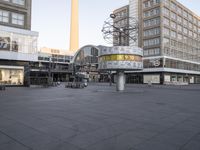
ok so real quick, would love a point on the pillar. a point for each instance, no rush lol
(120, 81)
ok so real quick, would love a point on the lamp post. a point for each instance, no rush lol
(49, 71)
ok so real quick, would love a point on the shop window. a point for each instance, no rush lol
(11, 76)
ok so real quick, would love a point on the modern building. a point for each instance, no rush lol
(18, 44)
(169, 33)
(85, 62)
(52, 63)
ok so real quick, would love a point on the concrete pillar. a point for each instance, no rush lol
(74, 31)
(120, 81)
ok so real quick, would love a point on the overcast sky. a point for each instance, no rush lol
(52, 20)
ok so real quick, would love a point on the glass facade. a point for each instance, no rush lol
(86, 61)
(87, 55)
(18, 19)
(18, 42)
(4, 16)
(18, 2)
(8, 17)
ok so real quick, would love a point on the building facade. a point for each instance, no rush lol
(52, 64)
(121, 21)
(18, 44)
(16, 13)
(135, 12)
(170, 36)
(85, 63)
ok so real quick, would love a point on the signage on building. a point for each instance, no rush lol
(121, 50)
(155, 62)
(15, 46)
(4, 43)
(121, 58)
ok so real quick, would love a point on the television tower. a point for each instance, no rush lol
(74, 31)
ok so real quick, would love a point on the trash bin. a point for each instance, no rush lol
(85, 83)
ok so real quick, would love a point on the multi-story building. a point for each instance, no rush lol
(52, 63)
(16, 13)
(170, 36)
(18, 44)
(121, 21)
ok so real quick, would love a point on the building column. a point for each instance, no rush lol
(120, 81)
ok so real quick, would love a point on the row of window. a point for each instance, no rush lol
(121, 14)
(191, 31)
(185, 49)
(16, 18)
(179, 19)
(181, 11)
(181, 65)
(18, 2)
(152, 32)
(180, 36)
(152, 42)
(151, 22)
(152, 12)
(181, 55)
(121, 23)
(190, 45)
(152, 52)
(150, 3)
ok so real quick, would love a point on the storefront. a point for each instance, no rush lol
(11, 75)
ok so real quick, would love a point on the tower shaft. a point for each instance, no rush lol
(74, 32)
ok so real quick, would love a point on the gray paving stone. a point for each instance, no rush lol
(155, 145)
(40, 142)
(122, 142)
(98, 118)
(4, 139)
(13, 146)
(18, 131)
(65, 146)
(193, 144)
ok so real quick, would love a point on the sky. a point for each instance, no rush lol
(51, 18)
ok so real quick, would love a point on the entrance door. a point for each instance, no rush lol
(136, 79)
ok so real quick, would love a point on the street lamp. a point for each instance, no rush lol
(49, 71)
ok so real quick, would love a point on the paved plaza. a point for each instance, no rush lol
(98, 118)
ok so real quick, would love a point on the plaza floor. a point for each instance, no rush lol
(98, 118)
